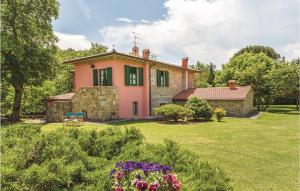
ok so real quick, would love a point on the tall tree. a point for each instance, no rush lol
(283, 80)
(256, 49)
(28, 44)
(211, 74)
(201, 81)
(250, 69)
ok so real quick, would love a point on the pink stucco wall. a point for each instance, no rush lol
(127, 94)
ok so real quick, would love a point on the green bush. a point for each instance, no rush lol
(200, 107)
(71, 159)
(219, 113)
(173, 111)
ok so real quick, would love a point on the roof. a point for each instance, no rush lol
(77, 60)
(61, 97)
(214, 93)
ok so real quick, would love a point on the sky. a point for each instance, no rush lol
(203, 30)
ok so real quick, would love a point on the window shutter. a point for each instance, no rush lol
(109, 76)
(141, 76)
(127, 75)
(95, 77)
(166, 78)
(158, 78)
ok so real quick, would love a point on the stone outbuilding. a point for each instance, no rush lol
(97, 103)
(237, 101)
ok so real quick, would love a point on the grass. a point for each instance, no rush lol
(257, 154)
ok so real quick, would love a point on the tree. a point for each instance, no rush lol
(28, 44)
(250, 69)
(256, 49)
(283, 80)
(61, 82)
(211, 74)
(200, 107)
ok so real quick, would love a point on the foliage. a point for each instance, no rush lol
(200, 107)
(283, 79)
(173, 111)
(27, 44)
(250, 69)
(256, 49)
(130, 175)
(219, 113)
(207, 74)
(61, 82)
(73, 159)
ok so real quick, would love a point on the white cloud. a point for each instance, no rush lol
(211, 31)
(145, 21)
(77, 42)
(292, 51)
(124, 19)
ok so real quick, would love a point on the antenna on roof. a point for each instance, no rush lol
(135, 38)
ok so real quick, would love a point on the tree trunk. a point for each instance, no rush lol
(297, 103)
(15, 116)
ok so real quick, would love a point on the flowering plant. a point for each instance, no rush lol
(143, 176)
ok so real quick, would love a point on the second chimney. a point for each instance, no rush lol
(184, 63)
(232, 84)
(146, 53)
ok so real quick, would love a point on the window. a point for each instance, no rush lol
(102, 77)
(134, 76)
(135, 108)
(162, 78)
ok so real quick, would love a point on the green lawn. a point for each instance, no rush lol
(258, 154)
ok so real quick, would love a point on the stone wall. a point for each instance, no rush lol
(161, 95)
(232, 107)
(99, 103)
(56, 110)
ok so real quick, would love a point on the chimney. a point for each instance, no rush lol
(184, 63)
(232, 84)
(135, 51)
(146, 53)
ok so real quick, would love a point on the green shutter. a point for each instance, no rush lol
(95, 77)
(109, 76)
(127, 75)
(166, 78)
(141, 76)
(158, 78)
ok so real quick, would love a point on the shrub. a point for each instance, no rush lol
(68, 159)
(201, 108)
(173, 111)
(219, 113)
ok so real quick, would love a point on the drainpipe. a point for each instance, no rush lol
(150, 103)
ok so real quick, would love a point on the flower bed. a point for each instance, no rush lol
(143, 176)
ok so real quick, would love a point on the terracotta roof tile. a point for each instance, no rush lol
(214, 93)
(61, 97)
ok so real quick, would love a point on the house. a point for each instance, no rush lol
(117, 85)
(237, 101)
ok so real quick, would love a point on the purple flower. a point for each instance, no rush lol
(142, 185)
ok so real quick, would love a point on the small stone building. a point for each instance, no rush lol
(237, 101)
(98, 103)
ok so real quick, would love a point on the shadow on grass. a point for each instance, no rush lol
(283, 109)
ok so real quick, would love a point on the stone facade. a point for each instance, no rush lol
(236, 108)
(56, 110)
(161, 95)
(98, 103)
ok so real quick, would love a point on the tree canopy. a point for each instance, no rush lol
(256, 49)
(28, 44)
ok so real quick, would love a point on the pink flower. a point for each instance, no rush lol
(119, 175)
(154, 187)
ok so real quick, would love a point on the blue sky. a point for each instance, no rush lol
(206, 30)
